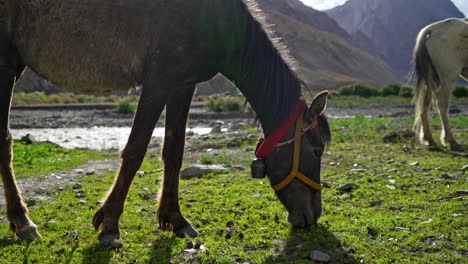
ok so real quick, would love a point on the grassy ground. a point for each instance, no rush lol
(399, 213)
(38, 159)
(66, 98)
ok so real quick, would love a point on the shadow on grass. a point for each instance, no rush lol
(9, 241)
(161, 249)
(302, 242)
(96, 254)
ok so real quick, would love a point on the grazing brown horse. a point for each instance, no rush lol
(166, 47)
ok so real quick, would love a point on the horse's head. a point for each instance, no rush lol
(301, 197)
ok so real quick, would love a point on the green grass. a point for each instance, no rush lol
(416, 222)
(66, 98)
(125, 107)
(41, 158)
(365, 102)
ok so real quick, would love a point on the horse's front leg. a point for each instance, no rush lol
(446, 136)
(170, 216)
(17, 212)
(149, 109)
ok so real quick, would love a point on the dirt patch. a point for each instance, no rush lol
(40, 188)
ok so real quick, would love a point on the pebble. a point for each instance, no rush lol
(320, 256)
(77, 186)
(391, 187)
(376, 202)
(28, 139)
(239, 212)
(358, 170)
(91, 172)
(465, 168)
(416, 163)
(348, 187)
(258, 195)
(31, 202)
(81, 201)
(216, 129)
(200, 170)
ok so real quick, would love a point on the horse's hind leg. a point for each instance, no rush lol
(447, 137)
(149, 109)
(422, 110)
(169, 213)
(16, 209)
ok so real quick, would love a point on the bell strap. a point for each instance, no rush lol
(297, 156)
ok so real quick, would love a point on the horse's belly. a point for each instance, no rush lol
(87, 50)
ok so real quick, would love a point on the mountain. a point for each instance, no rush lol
(327, 54)
(389, 27)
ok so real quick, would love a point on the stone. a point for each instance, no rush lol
(90, 172)
(453, 109)
(28, 139)
(358, 170)
(200, 170)
(81, 201)
(216, 129)
(376, 202)
(31, 202)
(77, 186)
(348, 187)
(320, 256)
(416, 163)
(465, 168)
(391, 187)
(398, 135)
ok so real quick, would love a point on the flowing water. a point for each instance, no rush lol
(95, 138)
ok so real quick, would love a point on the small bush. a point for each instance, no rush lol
(460, 91)
(406, 92)
(392, 89)
(125, 107)
(224, 103)
(363, 90)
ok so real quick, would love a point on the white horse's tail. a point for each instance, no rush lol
(425, 76)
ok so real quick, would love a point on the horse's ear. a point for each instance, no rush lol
(318, 105)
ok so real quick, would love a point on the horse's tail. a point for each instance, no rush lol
(424, 76)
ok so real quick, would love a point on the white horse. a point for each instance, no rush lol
(440, 57)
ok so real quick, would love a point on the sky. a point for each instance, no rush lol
(327, 4)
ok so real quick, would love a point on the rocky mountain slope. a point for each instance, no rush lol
(389, 28)
(327, 55)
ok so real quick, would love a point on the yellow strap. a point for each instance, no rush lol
(297, 156)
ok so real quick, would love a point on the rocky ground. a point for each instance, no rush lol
(99, 116)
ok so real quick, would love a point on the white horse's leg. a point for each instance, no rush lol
(443, 95)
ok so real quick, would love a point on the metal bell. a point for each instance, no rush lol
(258, 169)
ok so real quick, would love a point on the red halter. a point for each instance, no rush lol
(265, 146)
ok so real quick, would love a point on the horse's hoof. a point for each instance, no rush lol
(457, 147)
(187, 230)
(28, 232)
(112, 241)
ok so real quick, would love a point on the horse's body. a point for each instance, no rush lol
(166, 47)
(440, 57)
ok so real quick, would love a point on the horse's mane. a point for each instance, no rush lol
(266, 55)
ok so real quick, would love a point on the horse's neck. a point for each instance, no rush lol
(260, 70)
